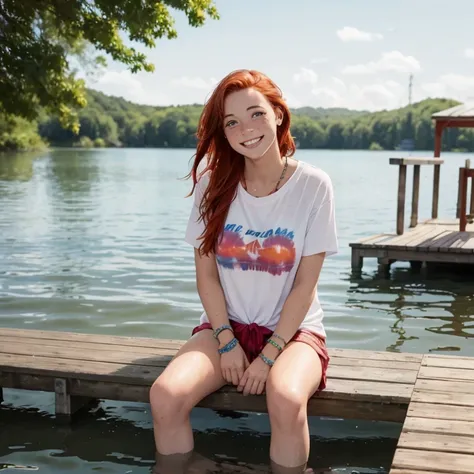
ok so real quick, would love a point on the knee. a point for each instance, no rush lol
(167, 404)
(287, 407)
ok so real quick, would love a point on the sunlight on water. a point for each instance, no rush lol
(92, 241)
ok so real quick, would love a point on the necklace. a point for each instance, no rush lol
(278, 183)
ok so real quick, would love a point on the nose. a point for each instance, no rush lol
(246, 128)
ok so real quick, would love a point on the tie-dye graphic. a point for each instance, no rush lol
(270, 251)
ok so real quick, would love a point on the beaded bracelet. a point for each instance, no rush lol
(274, 344)
(222, 328)
(228, 347)
(279, 337)
(265, 359)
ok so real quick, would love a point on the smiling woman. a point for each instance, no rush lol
(261, 329)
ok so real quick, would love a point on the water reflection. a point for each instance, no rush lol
(100, 437)
(440, 299)
(18, 166)
(77, 173)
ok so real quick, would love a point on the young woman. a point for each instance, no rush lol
(261, 225)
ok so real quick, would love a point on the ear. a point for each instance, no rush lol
(279, 116)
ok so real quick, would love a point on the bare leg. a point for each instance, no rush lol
(193, 374)
(292, 381)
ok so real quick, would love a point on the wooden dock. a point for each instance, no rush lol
(433, 396)
(435, 240)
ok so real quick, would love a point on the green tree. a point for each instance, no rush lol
(41, 39)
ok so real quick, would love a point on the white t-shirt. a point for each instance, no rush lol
(263, 242)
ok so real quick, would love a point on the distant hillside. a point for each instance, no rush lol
(113, 121)
(333, 112)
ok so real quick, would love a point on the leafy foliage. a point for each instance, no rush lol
(40, 38)
(112, 121)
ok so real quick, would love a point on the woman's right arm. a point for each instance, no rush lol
(234, 362)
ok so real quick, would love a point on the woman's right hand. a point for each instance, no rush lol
(233, 363)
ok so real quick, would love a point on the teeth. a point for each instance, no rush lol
(251, 142)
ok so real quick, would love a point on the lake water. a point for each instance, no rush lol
(92, 241)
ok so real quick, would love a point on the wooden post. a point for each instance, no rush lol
(458, 206)
(415, 196)
(462, 222)
(67, 405)
(402, 179)
(356, 260)
(437, 168)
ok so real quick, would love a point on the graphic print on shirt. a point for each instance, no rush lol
(272, 251)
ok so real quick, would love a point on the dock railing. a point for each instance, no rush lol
(401, 195)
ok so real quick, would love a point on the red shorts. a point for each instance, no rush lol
(253, 339)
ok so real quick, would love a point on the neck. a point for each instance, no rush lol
(265, 169)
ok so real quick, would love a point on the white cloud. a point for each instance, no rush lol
(392, 61)
(349, 33)
(469, 53)
(194, 82)
(127, 85)
(454, 86)
(319, 61)
(305, 76)
(335, 92)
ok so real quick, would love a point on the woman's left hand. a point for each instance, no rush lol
(254, 378)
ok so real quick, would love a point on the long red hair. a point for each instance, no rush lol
(226, 166)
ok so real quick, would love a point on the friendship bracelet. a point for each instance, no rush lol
(274, 344)
(265, 359)
(279, 337)
(222, 328)
(228, 347)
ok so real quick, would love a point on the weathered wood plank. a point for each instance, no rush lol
(76, 356)
(376, 355)
(440, 398)
(449, 362)
(439, 411)
(442, 373)
(433, 461)
(338, 357)
(416, 161)
(432, 425)
(453, 386)
(226, 398)
(412, 471)
(145, 375)
(437, 442)
(96, 338)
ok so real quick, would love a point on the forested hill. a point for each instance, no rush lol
(112, 121)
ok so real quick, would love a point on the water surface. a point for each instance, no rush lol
(92, 241)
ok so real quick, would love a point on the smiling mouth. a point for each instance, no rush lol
(252, 143)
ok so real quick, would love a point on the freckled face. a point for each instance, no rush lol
(250, 123)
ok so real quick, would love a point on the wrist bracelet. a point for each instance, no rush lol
(228, 347)
(279, 337)
(222, 328)
(274, 344)
(265, 359)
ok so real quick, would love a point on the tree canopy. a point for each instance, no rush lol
(114, 121)
(41, 39)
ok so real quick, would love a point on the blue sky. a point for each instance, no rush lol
(340, 53)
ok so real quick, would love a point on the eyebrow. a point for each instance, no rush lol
(248, 108)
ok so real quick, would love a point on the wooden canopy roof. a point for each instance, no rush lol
(458, 116)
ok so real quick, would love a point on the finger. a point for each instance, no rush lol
(261, 387)
(248, 386)
(228, 375)
(243, 381)
(246, 361)
(253, 390)
(235, 377)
